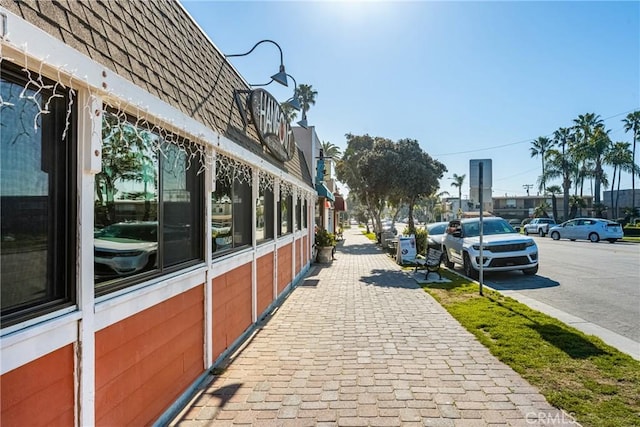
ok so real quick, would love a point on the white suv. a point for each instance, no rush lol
(503, 248)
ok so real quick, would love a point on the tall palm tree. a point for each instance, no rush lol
(330, 150)
(307, 97)
(539, 147)
(576, 202)
(599, 144)
(289, 112)
(553, 190)
(585, 125)
(620, 157)
(562, 137)
(458, 180)
(632, 122)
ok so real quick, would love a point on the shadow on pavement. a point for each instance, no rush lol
(516, 281)
(390, 279)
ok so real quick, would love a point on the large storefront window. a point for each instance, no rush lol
(285, 214)
(264, 215)
(231, 209)
(37, 192)
(148, 205)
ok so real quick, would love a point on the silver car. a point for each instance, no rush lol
(592, 229)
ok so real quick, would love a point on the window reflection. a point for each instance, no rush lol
(37, 201)
(231, 213)
(264, 215)
(126, 201)
(140, 228)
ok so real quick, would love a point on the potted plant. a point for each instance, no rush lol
(325, 243)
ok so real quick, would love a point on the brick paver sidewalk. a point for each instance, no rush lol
(358, 343)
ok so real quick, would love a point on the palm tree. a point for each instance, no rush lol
(541, 210)
(330, 150)
(585, 126)
(562, 137)
(576, 202)
(458, 180)
(539, 147)
(599, 145)
(620, 157)
(632, 122)
(307, 97)
(289, 112)
(553, 190)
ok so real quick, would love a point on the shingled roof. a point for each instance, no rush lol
(157, 46)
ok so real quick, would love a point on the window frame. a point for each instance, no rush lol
(62, 243)
(163, 267)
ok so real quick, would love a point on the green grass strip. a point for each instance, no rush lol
(579, 373)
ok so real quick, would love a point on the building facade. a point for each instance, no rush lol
(147, 226)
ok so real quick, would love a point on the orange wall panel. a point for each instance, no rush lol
(144, 362)
(231, 307)
(40, 393)
(265, 282)
(284, 267)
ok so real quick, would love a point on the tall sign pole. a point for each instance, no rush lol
(481, 261)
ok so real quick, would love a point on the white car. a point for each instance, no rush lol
(503, 249)
(125, 248)
(593, 229)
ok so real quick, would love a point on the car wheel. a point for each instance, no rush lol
(447, 263)
(555, 235)
(612, 240)
(469, 271)
(530, 271)
(594, 237)
(541, 232)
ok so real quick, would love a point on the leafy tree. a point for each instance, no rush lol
(553, 190)
(416, 176)
(126, 155)
(632, 122)
(539, 147)
(458, 180)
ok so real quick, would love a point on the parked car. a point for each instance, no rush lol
(515, 223)
(539, 226)
(435, 234)
(125, 248)
(503, 249)
(593, 229)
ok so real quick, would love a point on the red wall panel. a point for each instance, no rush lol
(144, 362)
(265, 282)
(231, 307)
(284, 267)
(40, 393)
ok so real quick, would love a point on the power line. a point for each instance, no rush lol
(528, 140)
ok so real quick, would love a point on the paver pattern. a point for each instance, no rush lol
(359, 343)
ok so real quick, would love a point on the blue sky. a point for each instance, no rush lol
(468, 80)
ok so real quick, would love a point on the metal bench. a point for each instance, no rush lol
(431, 263)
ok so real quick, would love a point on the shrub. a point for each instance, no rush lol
(324, 238)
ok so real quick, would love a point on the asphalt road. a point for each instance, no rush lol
(595, 282)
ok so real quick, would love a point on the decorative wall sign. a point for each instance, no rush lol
(271, 123)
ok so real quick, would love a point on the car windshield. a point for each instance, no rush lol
(472, 229)
(437, 228)
(146, 232)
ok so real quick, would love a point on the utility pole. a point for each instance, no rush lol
(527, 187)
